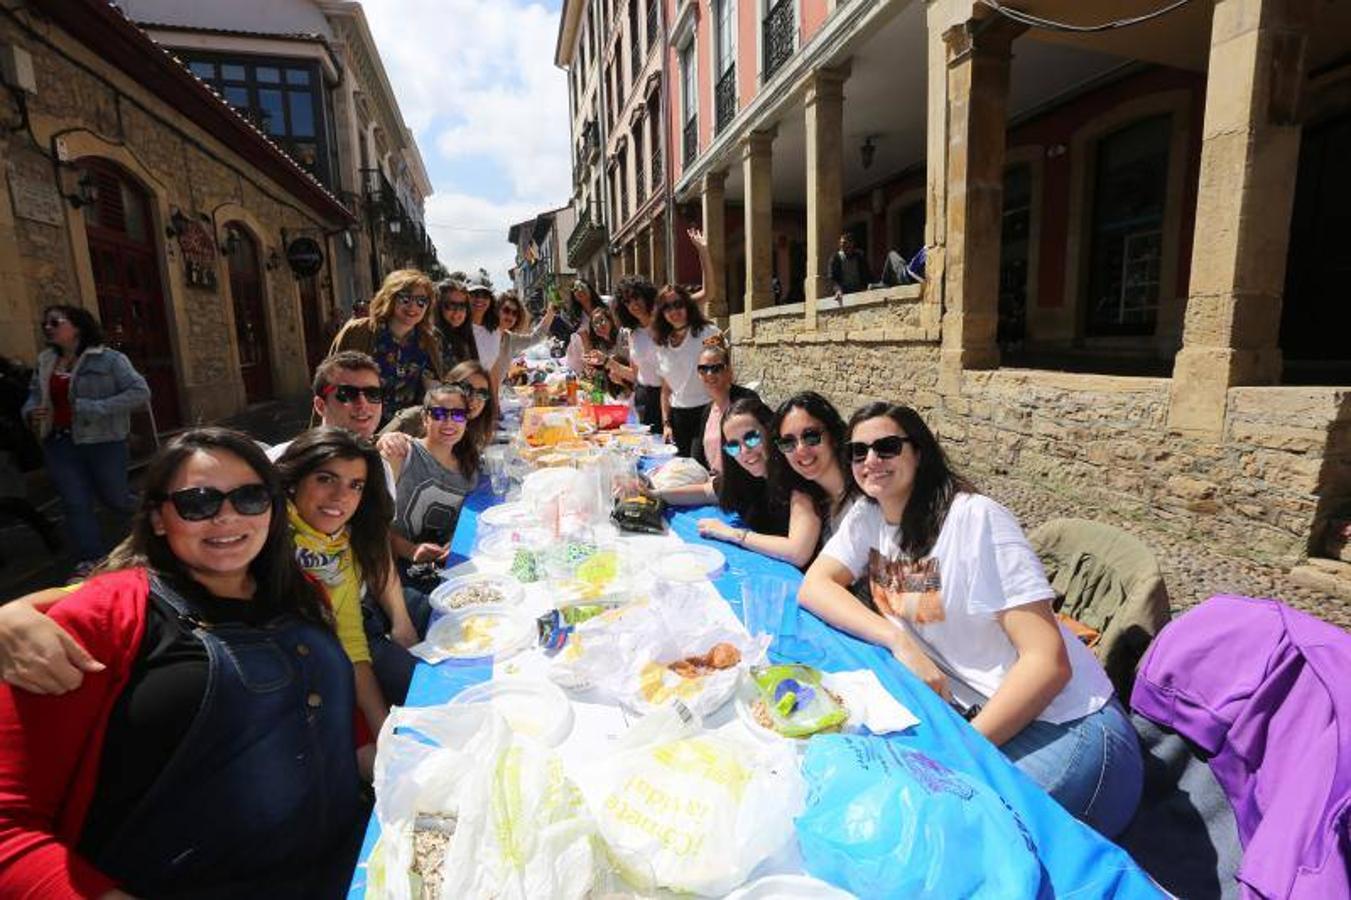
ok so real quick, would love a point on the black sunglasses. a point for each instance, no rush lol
(54, 321)
(455, 305)
(199, 503)
(710, 368)
(348, 393)
(406, 298)
(885, 448)
(749, 441)
(811, 437)
(441, 413)
(470, 391)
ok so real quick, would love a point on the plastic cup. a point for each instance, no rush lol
(769, 606)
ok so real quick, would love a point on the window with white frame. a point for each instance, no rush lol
(689, 102)
(724, 63)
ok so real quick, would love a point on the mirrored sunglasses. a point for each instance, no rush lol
(441, 413)
(749, 441)
(407, 298)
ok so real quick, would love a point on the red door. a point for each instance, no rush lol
(246, 286)
(126, 279)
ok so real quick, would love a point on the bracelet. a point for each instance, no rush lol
(745, 533)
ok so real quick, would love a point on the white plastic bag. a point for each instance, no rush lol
(521, 828)
(700, 809)
(626, 652)
(678, 472)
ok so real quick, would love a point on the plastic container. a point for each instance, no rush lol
(531, 707)
(481, 632)
(607, 416)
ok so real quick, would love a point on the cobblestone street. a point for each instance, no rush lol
(1193, 569)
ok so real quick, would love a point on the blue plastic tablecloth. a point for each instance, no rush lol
(1077, 861)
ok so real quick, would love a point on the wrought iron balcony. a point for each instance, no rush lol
(724, 98)
(779, 32)
(590, 141)
(691, 140)
(586, 237)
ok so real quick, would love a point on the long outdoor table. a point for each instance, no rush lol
(1077, 861)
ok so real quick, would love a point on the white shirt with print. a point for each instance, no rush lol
(489, 345)
(980, 565)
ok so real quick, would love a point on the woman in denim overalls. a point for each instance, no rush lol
(214, 756)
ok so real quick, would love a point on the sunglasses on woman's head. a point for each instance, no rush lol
(441, 413)
(749, 441)
(407, 298)
(885, 448)
(710, 368)
(481, 393)
(348, 393)
(200, 503)
(811, 437)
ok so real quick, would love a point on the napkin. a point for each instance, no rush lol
(870, 705)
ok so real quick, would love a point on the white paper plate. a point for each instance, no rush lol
(499, 631)
(634, 428)
(510, 588)
(789, 887)
(661, 451)
(530, 706)
(505, 515)
(690, 563)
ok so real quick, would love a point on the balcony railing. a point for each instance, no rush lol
(653, 22)
(639, 189)
(656, 169)
(724, 98)
(586, 237)
(779, 29)
(691, 140)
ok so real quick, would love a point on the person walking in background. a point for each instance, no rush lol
(398, 335)
(79, 405)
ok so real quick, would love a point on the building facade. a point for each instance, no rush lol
(542, 256)
(613, 52)
(1130, 286)
(308, 74)
(205, 250)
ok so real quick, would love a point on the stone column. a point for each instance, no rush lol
(714, 199)
(977, 99)
(756, 165)
(824, 107)
(642, 250)
(1249, 161)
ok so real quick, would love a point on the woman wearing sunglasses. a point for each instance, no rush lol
(962, 601)
(591, 350)
(452, 323)
(788, 531)
(809, 434)
(79, 405)
(339, 512)
(222, 715)
(398, 335)
(439, 471)
(715, 371)
(680, 329)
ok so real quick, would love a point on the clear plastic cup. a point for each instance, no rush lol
(769, 606)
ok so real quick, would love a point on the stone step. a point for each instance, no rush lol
(1328, 576)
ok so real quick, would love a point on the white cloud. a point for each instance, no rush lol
(477, 78)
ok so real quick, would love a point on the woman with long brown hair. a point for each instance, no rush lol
(680, 329)
(399, 336)
(222, 716)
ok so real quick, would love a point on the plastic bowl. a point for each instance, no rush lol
(609, 415)
(510, 588)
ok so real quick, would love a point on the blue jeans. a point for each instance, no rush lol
(80, 473)
(1091, 766)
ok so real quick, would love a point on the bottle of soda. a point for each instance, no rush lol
(571, 386)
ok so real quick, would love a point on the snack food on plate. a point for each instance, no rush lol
(475, 594)
(721, 656)
(791, 701)
(476, 634)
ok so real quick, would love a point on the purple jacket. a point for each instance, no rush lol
(1267, 690)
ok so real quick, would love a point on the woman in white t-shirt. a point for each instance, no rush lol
(635, 301)
(679, 329)
(964, 604)
(483, 315)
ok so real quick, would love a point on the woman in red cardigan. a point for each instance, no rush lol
(213, 754)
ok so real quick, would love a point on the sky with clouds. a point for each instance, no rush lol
(477, 85)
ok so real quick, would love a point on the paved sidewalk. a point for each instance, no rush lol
(28, 565)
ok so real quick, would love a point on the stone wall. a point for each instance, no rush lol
(1282, 470)
(85, 107)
